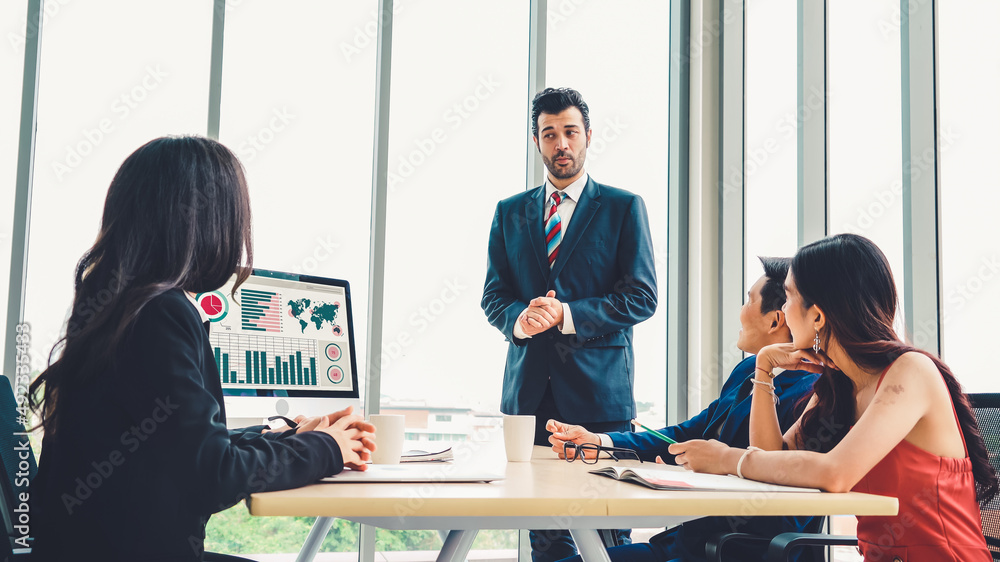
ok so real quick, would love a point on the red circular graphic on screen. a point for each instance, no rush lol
(335, 374)
(212, 304)
(333, 352)
(337, 331)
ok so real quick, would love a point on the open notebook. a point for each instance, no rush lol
(673, 479)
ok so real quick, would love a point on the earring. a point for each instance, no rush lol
(816, 343)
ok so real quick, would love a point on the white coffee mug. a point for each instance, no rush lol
(518, 437)
(389, 429)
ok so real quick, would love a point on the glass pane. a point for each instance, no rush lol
(450, 121)
(91, 116)
(456, 147)
(865, 151)
(968, 80)
(14, 17)
(298, 109)
(623, 73)
(298, 106)
(770, 164)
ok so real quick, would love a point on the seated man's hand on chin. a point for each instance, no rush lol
(563, 433)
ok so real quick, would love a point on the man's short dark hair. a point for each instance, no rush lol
(556, 100)
(772, 294)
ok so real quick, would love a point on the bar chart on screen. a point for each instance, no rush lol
(262, 360)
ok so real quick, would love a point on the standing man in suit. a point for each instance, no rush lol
(726, 419)
(570, 272)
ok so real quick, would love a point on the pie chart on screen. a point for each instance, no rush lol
(214, 305)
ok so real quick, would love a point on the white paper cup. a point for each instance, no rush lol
(518, 437)
(389, 430)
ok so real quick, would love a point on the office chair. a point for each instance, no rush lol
(732, 544)
(986, 408)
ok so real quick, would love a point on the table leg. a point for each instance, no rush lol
(456, 547)
(315, 539)
(588, 542)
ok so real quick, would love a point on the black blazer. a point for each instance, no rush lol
(142, 456)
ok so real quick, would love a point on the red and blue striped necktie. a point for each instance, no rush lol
(553, 228)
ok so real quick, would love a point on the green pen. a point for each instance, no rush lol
(655, 433)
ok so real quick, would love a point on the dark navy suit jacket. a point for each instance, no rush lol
(142, 456)
(604, 272)
(728, 420)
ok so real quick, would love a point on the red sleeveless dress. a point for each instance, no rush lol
(938, 518)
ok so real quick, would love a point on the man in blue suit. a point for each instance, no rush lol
(570, 272)
(726, 419)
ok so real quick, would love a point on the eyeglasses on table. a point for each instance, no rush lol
(583, 451)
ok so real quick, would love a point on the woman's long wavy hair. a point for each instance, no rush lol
(849, 278)
(177, 215)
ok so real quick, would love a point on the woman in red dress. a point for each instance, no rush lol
(886, 418)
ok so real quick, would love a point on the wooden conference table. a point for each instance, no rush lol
(546, 493)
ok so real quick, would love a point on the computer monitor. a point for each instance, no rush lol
(285, 346)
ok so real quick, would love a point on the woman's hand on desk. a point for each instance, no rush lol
(354, 435)
(709, 456)
(311, 424)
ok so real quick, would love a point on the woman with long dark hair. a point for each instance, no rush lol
(886, 418)
(136, 454)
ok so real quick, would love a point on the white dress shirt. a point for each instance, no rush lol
(572, 193)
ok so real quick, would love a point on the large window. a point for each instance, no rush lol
(968, 80)
(616, 53)
(771, 117)
(14, 17)
(456, 147)
(298, 103)
(98, 101)
(865, 124)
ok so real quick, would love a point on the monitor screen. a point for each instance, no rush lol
(284, 335)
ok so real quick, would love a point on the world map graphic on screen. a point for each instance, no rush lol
(318, 314)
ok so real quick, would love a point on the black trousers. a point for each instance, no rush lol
(550, 545)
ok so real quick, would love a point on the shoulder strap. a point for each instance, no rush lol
(954, 411)
(884, 371)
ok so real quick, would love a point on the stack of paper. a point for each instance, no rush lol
(427, 456)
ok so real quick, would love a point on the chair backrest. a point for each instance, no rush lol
(986, 408)
(17, 468)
